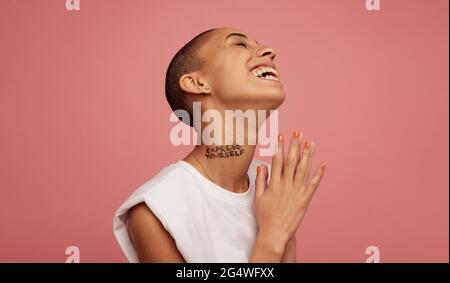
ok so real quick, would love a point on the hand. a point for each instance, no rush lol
(281, 205)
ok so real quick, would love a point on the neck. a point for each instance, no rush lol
(225, 165)
(225, 162)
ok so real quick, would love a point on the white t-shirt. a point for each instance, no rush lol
(207, 222)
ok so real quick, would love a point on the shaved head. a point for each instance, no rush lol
(186, 60)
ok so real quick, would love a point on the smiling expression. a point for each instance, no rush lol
(240, 72)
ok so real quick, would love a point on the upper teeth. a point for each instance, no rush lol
(263, 69)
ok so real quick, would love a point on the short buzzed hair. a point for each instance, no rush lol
(186, 60)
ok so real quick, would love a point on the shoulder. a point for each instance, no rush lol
(170, 178)
(151, 241)
(169, 184)
(172, 186)
(164, 200)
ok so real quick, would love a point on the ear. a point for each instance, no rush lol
(192, 83)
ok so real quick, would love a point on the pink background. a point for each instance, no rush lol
(84, 121)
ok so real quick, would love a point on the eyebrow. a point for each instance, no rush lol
(238, 34)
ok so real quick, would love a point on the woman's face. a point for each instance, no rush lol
(240, 71)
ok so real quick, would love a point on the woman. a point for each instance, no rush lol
(219, 204)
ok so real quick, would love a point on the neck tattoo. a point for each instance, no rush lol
(224, 151)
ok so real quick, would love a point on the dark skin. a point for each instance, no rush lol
(227, 82)
(154, 244)
(151, 241)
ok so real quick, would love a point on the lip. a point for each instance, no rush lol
(268, 64)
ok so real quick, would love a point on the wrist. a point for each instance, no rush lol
(291, 241)
(290, 253)
(272, 244)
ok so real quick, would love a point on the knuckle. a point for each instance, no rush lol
(313, 184)
(304, 203)
(291, 159)
(302, 166)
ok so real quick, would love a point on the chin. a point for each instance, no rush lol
(273, 100)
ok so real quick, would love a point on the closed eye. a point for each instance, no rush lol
(241, 44)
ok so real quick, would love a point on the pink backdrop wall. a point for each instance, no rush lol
(84, 121)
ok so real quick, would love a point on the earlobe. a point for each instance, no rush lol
(191, 84)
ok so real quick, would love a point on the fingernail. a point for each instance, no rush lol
(280, 138)
(323, 165)
(306, 144)
(296, 134)
(258, 169)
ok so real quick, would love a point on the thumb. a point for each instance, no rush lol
(261, 180)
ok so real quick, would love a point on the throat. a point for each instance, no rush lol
(226, 166)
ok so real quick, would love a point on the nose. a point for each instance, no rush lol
(265, 50)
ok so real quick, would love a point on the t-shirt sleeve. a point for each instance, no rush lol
(174, 210)
(177, 207)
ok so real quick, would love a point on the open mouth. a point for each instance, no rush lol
(266, 73)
